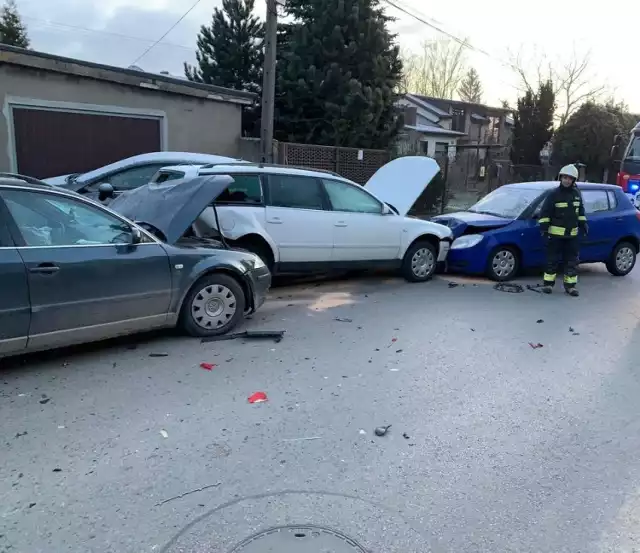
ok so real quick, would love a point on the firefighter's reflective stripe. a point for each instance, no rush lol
(570, 279)
(543, 220)
(561, 231)
(576, 204)
(582, 218)
(562, 204)
(549, 277)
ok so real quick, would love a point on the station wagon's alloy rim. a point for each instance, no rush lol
(503, 263)
(624, 259)
(213, 307)
(422, 262)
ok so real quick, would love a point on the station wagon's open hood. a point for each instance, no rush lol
(172, 207)
(400, 182)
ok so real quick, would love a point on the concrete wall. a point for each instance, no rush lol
(191, 124)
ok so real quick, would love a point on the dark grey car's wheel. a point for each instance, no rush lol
(503, 264)
(214, 305)
(623, 259)
(419, 262)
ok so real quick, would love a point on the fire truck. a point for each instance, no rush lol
(629, 175)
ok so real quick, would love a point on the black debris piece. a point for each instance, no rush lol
(453, 284)
(540, 321)
(406, 436)
(381, 430)
(275, 335)
(132, 346)
(158, 355)
(343, 320)
(535, 346)
(508, 287)
(398, 351)
(19, 434)
(57, 470)
(473, 330)
(571, 329)
(32, 505)
(45, 400)
(537, 288)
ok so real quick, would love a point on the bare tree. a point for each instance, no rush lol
(572, 78)
(437, 70)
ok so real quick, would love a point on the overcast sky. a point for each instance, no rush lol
(118, 31)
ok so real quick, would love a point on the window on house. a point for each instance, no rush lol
(441, 149)
(458, 120)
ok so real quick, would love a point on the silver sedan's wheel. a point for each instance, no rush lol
(625, 259)
(213, 306)
(503, 264)
(422, 263)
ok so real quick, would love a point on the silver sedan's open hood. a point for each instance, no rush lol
(172, 207)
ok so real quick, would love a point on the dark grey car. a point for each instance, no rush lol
(73, 271)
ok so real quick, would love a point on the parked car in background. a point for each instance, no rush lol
(304, 220)
(74, 271)
(131, 172)
(500, 235)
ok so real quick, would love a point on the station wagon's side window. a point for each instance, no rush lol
(346, 197)
(595, 201)
(295, 191)
(51, 220)
(245, 189)
(132, 177)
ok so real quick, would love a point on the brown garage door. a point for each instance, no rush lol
(50, 143)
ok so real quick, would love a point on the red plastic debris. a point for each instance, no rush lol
(258, 397)
(394, 339)
(535, 346)
(208, 366)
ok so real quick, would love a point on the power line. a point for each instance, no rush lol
(165, 34)
(62, 26)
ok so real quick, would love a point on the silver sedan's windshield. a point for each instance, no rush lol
(507, 202)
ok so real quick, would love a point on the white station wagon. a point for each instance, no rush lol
(302, 220)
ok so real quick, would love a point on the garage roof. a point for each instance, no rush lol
(10, 55)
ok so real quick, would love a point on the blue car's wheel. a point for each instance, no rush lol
(503, 264)
(623, 259)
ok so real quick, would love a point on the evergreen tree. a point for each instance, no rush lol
(12, 31)
(533, 124)
(471, 88)
(230, 50)
(337, 73)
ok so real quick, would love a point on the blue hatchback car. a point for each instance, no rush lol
(499, 236)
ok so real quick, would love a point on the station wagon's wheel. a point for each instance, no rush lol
(623, 259)
(419, 262)
(214, 305)
(503, 264)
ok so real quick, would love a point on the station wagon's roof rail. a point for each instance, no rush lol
(270, 165)
(23, 179)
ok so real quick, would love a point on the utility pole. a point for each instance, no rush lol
(269, 82)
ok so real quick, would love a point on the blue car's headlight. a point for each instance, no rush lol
(467, 241)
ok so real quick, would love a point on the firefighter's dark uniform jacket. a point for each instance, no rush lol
(562, 214)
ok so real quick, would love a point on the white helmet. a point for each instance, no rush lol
(569, 171)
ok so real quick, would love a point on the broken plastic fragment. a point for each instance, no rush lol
(540, 321)
(164, 433)
(535, 346)
(343, 320)
(207, 366)
(258, 397)
(381, 430)
(158, 355)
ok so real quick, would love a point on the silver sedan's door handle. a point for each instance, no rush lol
(275, 221)
(341, 224)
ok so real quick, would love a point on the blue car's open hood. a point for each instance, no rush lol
(467, 222)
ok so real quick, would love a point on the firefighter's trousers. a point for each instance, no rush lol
(562, 253)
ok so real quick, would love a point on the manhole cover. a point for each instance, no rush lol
(299, 539)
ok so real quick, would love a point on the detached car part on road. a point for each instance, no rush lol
(73, 271)
(500, 235)
(309, 221)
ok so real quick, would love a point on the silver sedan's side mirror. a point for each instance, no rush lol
(136, 235)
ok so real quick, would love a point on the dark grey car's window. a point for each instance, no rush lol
(295, 191)
(51, 220)
(245, 189)
(168, 176)
(595, 201)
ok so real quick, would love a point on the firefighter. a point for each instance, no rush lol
(561, 220)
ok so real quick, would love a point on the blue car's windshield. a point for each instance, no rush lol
(507, 202)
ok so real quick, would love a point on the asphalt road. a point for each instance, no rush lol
(494, 446)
